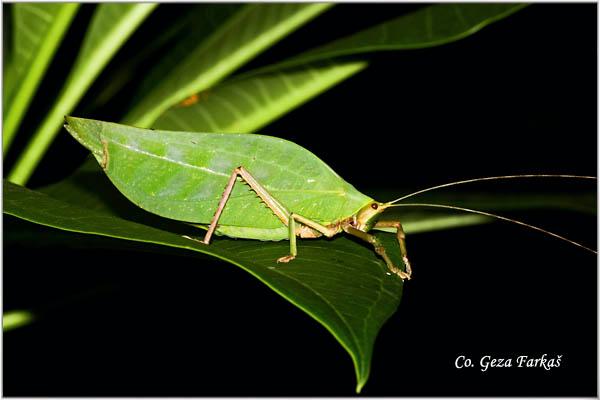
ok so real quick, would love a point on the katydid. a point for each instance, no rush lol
(289, 192)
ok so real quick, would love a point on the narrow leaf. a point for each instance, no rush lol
(247, 105)
(199, 23)
(112, 24)
(37, 30)
(252, 100)
(428, 27)
(249, 32)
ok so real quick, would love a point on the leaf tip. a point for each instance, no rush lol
(360, 383)
(86, 132)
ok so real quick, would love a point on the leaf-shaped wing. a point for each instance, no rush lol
(181, 175)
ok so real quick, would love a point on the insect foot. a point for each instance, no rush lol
(408, 267)
(285, 259)
(379, 249)
(194, 239)
(403, 275)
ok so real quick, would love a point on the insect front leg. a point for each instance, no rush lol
(379, 249)
(401, 240)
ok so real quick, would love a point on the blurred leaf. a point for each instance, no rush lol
(200, 21)
(111, 25)
(430, 26)
(169, 35)
(340, 283)
(252, 100)
(250, 31)
(36, 31)
(15, 319)
(247, 105)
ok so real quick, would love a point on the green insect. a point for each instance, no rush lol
(289, 192)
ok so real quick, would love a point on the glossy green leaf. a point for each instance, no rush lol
(340, 283)
(252, 100)
(111, 25)
(87, 202)
(249, 32)
(36, 31)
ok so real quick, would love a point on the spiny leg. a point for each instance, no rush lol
(379, 249)
(220, 207)
(401, 240)
(278, 209)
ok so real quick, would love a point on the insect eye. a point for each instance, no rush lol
(374, 206)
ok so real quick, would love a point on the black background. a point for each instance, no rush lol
(518, 97)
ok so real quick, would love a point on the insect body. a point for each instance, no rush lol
(196, 178)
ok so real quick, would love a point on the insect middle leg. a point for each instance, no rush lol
(289, 219)
(325, 230)
(379, 249)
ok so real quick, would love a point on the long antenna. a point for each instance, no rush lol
(490, 178)
(487, 214)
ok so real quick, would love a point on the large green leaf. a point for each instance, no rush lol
(36, 31)
(340, 283)
(252, 100)
(87, 202)
(111, 25)
(249, 32)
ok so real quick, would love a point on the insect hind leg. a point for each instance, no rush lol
(287, 218)
(279, 210)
